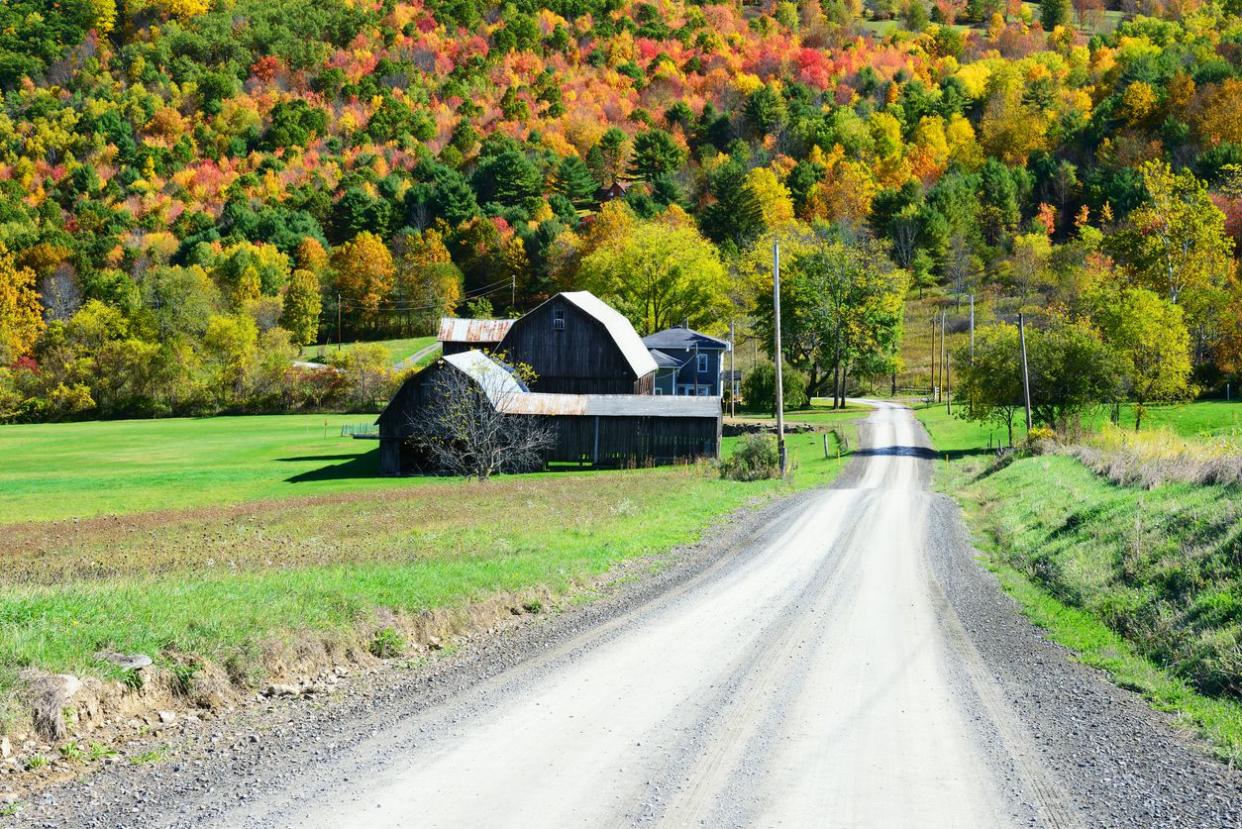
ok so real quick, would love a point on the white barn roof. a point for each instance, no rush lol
(498, 382)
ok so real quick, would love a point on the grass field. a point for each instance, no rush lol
(1143, 584)
(79, 470)
(225, 578)
(398, 350)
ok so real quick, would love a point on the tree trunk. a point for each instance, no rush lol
(836, 375)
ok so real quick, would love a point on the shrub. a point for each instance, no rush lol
(759, 388)
(754, 459)
(387, 644)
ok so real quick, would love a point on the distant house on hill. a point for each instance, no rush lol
(616, 190)
(458, 335)
(578, 344)
(699, 361)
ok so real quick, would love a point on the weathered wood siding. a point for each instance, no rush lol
(580, 358)
(634, 441)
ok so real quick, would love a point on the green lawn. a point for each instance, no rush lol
(78, 470)
(1208, 418)
(398, 350)
(203, 587)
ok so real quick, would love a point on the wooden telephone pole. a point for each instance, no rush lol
(780, 388)
(972, 329)
(732, 373)
(1026, 378)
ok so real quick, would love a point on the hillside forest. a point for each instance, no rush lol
(191, 191)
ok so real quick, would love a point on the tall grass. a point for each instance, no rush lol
(1160, 456)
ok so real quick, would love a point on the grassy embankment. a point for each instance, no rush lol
(186, 563)
(1144, 584)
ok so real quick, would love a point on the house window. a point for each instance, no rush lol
(705, 391)
(702, 364)
(659, 390)
(558, 318)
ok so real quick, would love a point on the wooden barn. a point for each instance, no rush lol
(603, 430)
(458, 335)
(578, 344)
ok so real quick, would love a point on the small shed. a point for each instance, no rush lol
(577, 344)
(458, 335)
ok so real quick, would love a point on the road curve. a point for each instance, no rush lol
(821, 680)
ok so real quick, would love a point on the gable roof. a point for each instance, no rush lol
(453, 330)
(619, 328)
(664, 360)
(685, 338)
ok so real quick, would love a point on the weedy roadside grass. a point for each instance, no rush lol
(1144, 584)
(219, 585)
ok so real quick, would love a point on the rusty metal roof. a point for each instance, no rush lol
(453, 330)
(610, 405)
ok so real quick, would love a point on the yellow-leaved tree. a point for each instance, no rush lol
(659, 275)
(364, 274)
(21, 314)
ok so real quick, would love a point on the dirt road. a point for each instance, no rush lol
(812, 683)
(849, 666)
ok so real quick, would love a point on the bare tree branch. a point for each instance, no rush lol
(464, 428)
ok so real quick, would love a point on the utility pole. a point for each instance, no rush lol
(513, 292)
(948, 384)
(338, 320)
(932, 393)
(972, 329)
(780, 388)
(1026, 379)
(732, 374)
(944, 351)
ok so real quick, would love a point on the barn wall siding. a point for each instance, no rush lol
(580, 358)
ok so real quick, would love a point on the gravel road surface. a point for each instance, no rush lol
(846, 663)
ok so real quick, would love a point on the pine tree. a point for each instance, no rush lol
(575, 182)
(1053, 13)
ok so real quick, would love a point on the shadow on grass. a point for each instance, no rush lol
(344, 456)
(365, 465)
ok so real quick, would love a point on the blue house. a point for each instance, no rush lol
(688, 364)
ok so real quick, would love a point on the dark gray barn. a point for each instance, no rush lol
(602, 430)
(578, 344)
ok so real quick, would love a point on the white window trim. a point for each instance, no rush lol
(704, 365)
